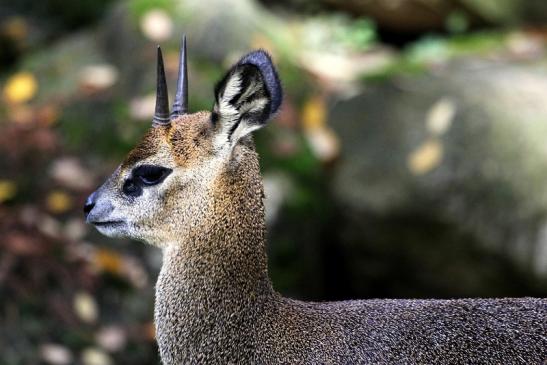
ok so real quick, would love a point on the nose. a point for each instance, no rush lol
(90, 203)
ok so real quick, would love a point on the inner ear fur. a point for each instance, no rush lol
(243, 87)
(246, 98)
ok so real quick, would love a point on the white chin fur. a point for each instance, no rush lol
(118, 230)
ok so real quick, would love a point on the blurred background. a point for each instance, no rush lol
(409, 158)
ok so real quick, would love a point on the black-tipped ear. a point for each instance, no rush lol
(246, 98)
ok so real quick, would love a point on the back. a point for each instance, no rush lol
(463, 331)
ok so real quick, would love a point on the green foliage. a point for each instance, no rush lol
(357, 34)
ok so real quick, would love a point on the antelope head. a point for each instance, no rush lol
(188, 166)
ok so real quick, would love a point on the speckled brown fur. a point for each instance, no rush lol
(189, 138)
(148, 147)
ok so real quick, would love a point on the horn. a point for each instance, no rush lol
(180, 105)
(161, 115)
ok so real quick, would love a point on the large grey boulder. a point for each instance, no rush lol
(448, 164)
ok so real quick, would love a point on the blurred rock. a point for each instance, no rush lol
(497, 10)
(535, 11)
(509, 11)
(418, 16)
(401, 15)
(458, 147)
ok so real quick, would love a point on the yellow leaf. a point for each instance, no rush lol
(426, 157)
(314, 113)
(20, 88)
(106, 260)
(95, 356)
(8, 189)
(58, 201)
(85, 307)
(440, 116)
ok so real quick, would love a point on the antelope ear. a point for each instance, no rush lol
(245, 99)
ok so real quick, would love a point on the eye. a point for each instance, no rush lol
(150, 175)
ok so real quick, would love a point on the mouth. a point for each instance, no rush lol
(107, 223)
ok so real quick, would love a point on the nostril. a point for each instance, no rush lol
(88, 207)
(89, 203)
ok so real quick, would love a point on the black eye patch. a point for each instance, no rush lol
(130, 188)
(143, 176)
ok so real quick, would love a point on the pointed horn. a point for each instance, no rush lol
(161, 116)
(180, 105)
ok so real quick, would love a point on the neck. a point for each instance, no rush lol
(230, 254)
(213, 282)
